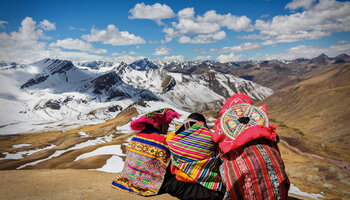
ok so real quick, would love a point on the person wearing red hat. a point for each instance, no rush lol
(252, 167)
(147, 155)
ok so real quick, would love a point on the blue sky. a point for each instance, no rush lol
(85, 30)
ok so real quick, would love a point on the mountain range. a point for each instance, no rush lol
(308, 100)
(58, 92)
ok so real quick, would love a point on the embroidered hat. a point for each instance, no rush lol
(241, 122)
(240, 117)
(235, 99)
(156, 118)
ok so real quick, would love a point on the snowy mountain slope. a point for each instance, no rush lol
(189, 91)
(143, 64)
(57, 75)
(51, 92)
(110, 86)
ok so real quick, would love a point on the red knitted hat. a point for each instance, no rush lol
(155, 118)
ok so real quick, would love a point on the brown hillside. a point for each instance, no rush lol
(318, 111)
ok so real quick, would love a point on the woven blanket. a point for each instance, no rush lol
(255, 171)
(145, 166)
(194, 153)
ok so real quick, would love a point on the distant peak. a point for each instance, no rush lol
(143, 64)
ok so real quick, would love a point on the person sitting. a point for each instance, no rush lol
(194, 162)
(252, 166)
(147, 154)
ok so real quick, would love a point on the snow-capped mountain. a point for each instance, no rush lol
(96, 64)
(10, 65)
(143, 65)
(52, 92)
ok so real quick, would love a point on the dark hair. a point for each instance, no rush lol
(194, 116)
(198, 117)
(150, 127)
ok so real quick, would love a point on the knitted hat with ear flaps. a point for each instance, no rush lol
(156, 118)
(241, 122)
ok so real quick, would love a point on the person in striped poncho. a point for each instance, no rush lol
(252, 166)
(194, 162)
(147, 155)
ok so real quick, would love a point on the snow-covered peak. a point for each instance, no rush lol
(53, 66)
(143, 65)
(97, 64)
(60, 75)
(3, 64)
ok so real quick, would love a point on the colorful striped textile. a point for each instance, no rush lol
(255, 171)
(147, 158)
(194, 153)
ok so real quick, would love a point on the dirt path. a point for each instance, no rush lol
(67, 184)
(70, 184)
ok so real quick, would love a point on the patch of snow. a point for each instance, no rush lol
(114, 164)
(83, 134)
(16, 146)
(124, 129)
(19, 155)
(98, 140)
(295, 190)
(106, 150)
(211, 119)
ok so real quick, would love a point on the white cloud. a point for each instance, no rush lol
(317, 21)
(327, 15)
(2, 23)
(23, 46)
(26, 46)
(113, 36)
(264, 16)
(255, 37)
(161, 51)
(47, 26)
(297, 36)
(203, 38)
(123, 53)
(229, 58)
(155, 12)
(178, 58)
(126, 58)
(303, 51)
(343, 41)
(295, 4)
(239, 48)
(202, 58)
(287, 37)
(210, 22)
(170, 34)
(186, 13)
(70, 43)
(232, 22)
(74, 28)
(204, 29)
(190, 26)
(86, 57)
(74, 55)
